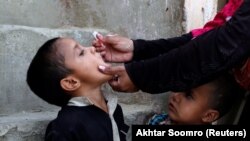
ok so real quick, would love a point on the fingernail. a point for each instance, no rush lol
(95, 34)
(101, 67)
(110, 35)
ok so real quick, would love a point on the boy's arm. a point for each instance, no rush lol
(53, 135)
(144, 49)
(198, 61)
(57, 133)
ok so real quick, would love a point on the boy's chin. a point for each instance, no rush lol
(109, 77)
(106, 77)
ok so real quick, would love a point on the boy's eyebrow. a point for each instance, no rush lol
(77, 47)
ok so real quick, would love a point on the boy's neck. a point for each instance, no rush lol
(94, 95)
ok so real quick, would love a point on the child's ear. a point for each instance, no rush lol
(70, 83)
(210, 116)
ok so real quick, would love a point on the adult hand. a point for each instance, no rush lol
(114, 48)
(121, 81)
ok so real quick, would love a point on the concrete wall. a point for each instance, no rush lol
(140, 18)
(198, 12)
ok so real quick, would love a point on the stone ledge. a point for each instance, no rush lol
(24, 126)
(30, 126)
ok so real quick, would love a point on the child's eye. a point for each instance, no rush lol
(81, 53)
(188, 94)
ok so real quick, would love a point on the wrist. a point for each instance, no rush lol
(130, 46)
(130, 50)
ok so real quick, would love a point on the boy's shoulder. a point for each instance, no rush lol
(67, 113)
(73, 115)
(70, 117)
(67, 122)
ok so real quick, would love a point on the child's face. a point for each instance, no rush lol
(83, 61)
(190, 107)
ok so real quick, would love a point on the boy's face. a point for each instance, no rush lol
(190, 107)
(83, 61)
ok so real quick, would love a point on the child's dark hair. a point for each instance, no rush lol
(226, 94)
(46, 71)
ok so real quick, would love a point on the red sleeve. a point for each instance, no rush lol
(221, 17)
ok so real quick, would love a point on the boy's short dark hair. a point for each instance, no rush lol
(46, 71)
(227, 93)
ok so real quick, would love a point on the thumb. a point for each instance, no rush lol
(111, 70)
(99, 37)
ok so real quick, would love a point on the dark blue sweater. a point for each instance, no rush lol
(87, 123)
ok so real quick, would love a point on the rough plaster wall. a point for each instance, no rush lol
(140, 18)
(198, 13)
(136, 19)
(38, 13)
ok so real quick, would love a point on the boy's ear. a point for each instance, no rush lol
(70, 83)
(210, 116)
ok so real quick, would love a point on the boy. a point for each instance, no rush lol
(201, 105)
(65, 73)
